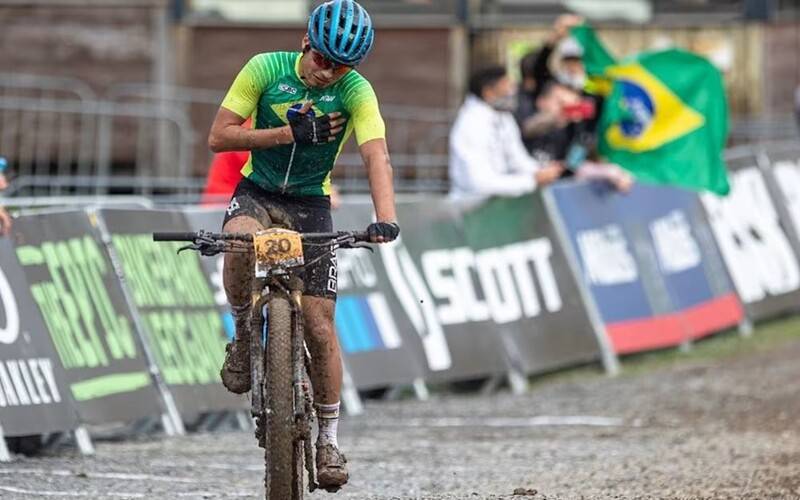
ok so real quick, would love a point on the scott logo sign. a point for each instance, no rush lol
(459, 285)
(9, 329)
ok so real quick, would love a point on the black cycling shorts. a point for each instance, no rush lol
(305, 214)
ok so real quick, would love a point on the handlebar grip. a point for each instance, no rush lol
(170, 236)
(361, 236)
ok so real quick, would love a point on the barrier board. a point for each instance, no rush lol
(175, 301)
(652, 269)
(34, 395)
(80, 298)
(754, 242)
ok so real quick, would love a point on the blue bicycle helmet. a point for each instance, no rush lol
(341, 30)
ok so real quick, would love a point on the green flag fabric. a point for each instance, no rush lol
(595, 56)
(665, 118)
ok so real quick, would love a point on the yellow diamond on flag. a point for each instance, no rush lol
(656, 116)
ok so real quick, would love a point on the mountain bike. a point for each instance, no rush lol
(281, 399)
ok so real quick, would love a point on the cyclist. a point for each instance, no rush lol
(305, 106)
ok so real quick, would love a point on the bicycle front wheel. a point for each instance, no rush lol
(279, 450)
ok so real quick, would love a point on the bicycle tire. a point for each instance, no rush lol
(279, 452)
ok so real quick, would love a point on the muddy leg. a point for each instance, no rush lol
(238, 269)
(237, 275)
(326, 356)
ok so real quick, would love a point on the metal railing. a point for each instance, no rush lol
(139, 139)
(60, 138)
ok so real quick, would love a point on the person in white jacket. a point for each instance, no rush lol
(487, 156)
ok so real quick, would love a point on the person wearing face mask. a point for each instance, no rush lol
(487, 157)
(564, 55)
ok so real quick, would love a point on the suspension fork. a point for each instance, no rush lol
(259, 297)
(303, 407)
(298, 354)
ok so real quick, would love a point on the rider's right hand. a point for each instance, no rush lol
(309, 129)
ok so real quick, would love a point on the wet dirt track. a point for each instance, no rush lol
(719, 430)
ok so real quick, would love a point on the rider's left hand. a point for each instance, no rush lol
(383, 232)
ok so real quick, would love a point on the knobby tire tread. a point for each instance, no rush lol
(280, 422)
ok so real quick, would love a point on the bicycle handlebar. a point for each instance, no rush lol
(170, 236)
(358, 236)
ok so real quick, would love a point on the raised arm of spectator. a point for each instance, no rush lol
(561, 29)
(541, 67)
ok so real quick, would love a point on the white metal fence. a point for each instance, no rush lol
(61, 138)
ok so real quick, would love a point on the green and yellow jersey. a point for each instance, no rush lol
(266, 88)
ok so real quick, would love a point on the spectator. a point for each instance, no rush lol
(487, 156)
(223, 176)
(565, 55)
(548, 131)
(535, 66)
(559, 131)
(529, 87)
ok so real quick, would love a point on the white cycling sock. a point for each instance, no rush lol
(328, 421)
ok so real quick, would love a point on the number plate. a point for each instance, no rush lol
(278, 247)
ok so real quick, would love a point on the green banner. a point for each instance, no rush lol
(182, 322)
(76, 289)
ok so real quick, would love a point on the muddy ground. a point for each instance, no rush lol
(720, 429)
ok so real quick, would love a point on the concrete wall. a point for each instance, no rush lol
(406, 67)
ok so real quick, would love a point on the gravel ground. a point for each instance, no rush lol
(721, 429)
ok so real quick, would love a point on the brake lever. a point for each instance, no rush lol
(206, 247)
(361, 244)
(193, 246)
(352, 243)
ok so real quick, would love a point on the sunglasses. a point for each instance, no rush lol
(325, 63)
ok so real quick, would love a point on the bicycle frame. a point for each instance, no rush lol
(278, 254)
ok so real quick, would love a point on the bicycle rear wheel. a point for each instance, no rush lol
(279, 451)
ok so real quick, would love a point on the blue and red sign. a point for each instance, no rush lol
(656, 278)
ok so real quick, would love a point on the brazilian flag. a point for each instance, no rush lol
(665, 116)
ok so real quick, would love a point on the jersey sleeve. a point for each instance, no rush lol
(361, 102)
(249, 84)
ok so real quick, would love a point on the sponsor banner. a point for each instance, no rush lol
(433, 274)
(521, 287)
(671, 234)
(377, 338)
(209, 219)
(755, 240)
(651, 267)
(76, 289)
(783, 179)
(34, 396)
(182, 322)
